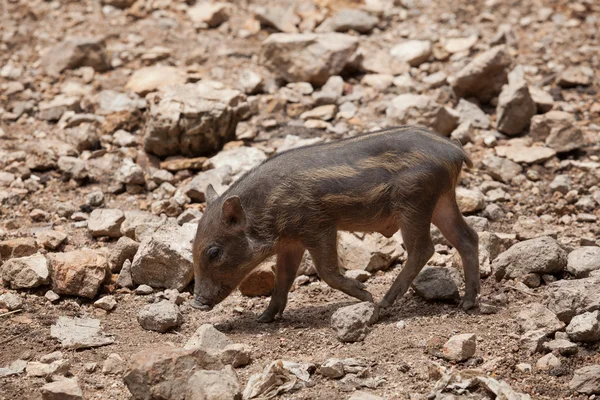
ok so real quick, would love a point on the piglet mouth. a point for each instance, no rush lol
(197, 303)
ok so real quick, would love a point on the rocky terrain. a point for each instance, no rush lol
(115, 116)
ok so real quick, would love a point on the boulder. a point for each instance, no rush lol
(586, 380)
(585, 327)
(196, 188)
(542, 255)
(349, 19)
(26, 272)
(416, 109)
(557, 130)
(155, 77)
(568, 298)
(413, 52)
(501, 169)
(460, 347)
(62, 389)
(239, 160)
(582, 261)
(484, 76)
(373, 253)
(576, 76)
(193, 119)
(435, 283)
(525, 154)
(79, 272)
(160, 317)
(125, 249)
(79, 333)
(214, 385)
(209, 14)
(515, 108)
(106, 222)
(307, 57)
(164, 259)
(20, 247)
(535, 317)
(469, 200)
(351, 323)
(76, 52)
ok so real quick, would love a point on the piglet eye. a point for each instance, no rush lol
(213, 252)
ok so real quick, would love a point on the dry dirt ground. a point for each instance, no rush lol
(396, 354)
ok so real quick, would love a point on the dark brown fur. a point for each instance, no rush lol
(399, 178)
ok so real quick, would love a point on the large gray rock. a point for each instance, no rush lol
(416, 109)
(79, 333)
(373, 253)
(208, 338)
(106, 222)
(10, 301)
(155, 77)
(582, 261)
(214, 385)
(483, 77)
(26, 272)
(239, 160)
(164, 259)
(193, 119)
(196, 188)
(307, 57)
(75, 52)
(515, 108)
(160, 317)
(351, 323)
(586, 380)
(79, 272)
(470, 112)
(557, 130)
(460, 347)
(62, 389)
(585, 327)
(568, 298)
(535, 317)
(542, 255)
(164, 372)
(434, 283)
(501, 168)
(135, 219)
(125, 249)
(469, 200)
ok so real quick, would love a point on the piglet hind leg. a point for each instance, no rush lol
(448, 218)
(417, 239)
(288, 261)
(323, 250)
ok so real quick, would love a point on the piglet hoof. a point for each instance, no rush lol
(199, 306)
(266, 317)
(385, 304)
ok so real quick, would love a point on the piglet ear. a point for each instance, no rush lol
(211, 194)
(233, 212)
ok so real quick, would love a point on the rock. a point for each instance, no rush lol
(490, 246)
(330, 92)
(193, 119)
(125, 249)
(351, 323)
(209, 14)
(459, 44)
(307, 57)
(73, 168)
(360, 395)
(62, 389)
(208, 338)
(106, 222)
(250, 81)
(237, 355)
(160, 317)
(178, 163)
(155, 77)
(122, 138)
(585, 327)
(196, 188)
(533, 341)
(325, 113)
(15, 368)
(548, 362)
(359, 275)
(523, 367)
(460, 347)
(26, 272)
(284, 19)
(542, 255)
(515, 108)
(501, 169)
(20, 247)
(79, 333)
(561, 183)
(79, 272)
(332, 368)
(113, 365)
(535, 316)
(143, 290)
(138, 219)
(469, 200)
(240, 160)
(348, 19)
(10, 301)
(50, 239)
(378, 81)
(51, 296)
(125, 280)
(107, 303)
(130, 173)
(413, 109)
(586, 380)
(168, 246)
(434, 283)
(214, 385)
(483, 77)
(542, 99)
(414, 52)
(122, 4)
(260, 282)
(76, 52)
(374, 253)
(582, 261)
(562, 347)
(558, 131)
(576, 76)
(54, 110)
(166, 370)
(463, 133)
(191, 215)
(525, 154)
(568, 298)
